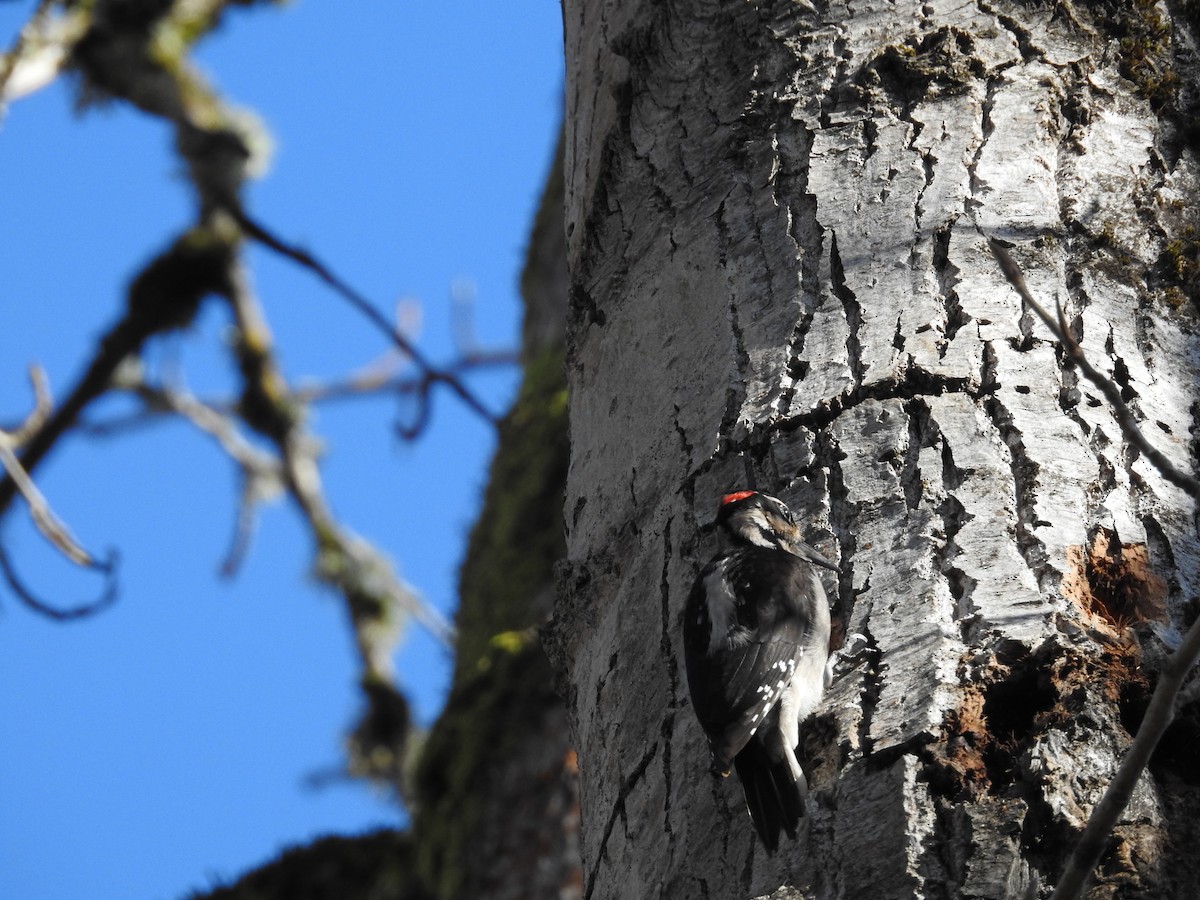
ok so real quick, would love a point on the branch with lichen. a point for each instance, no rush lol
(1163, 703)
(157, 403)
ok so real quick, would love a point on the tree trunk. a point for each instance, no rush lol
(777, 224)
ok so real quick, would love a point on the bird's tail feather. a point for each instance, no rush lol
(774, 797)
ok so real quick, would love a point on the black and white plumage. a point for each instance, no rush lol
(756, 641)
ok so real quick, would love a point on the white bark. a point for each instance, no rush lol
(777, 222)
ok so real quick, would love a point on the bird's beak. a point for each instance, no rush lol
(802, 550)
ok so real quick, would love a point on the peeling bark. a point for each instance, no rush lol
(777, 224)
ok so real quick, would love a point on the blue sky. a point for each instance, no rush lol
(165, 743)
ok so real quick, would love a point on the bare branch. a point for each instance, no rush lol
(432, 375)
(262, 474)
(1103, 819)
(42, 404)
(120, 59)
(356, 569)
(52, 528)
(39, 52)
(164, 296)
(1161, 711)
(216, 423)
(243, 527)
(360, 386)
(1112, 393)
(420, 420)
(26, 596)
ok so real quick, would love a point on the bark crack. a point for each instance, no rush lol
(603, 679)
(910, 475)
(790, 187)
(851, 307)
(618, 811)
(829, 456)
(735, 392)
(672, 667)
(986, 128)
(1021, 35)
(954, 516)
(723, 237)
(1025, 483)
(684, 444)
(872, 683)
(915, 382)
(942, 868)
(947, 280)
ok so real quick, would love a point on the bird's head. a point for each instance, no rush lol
(751, 517)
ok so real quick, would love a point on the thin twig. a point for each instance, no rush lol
(1112, 393)
(344, 561)
(1161, 710)
(42, 405)
(44, 55)
(82, 611)
(364, 306)
(52, 528)
(243, 527)
(262, 474)
(355, 387)
(216, 423)
(1103, 819)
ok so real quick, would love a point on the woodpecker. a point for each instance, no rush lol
(756, 643)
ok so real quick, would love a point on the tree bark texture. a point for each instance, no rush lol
(777, 223)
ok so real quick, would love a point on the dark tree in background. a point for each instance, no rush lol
(497, 805)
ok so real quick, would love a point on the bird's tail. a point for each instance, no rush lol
(774, 796)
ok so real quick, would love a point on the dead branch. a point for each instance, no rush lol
(111, 48)
(164, 296)
(431, 375)
(344, 561)
(1112, 393)
(1161, 711)
(1159, 715)
(261, 473)
(38, 52)
(108, 568)
(42, 404)
(153, 410)
(52, 528)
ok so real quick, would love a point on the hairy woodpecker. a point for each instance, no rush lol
(756, 642)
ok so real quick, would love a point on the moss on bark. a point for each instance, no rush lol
(502, 681)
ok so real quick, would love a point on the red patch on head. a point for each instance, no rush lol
(736, 496)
